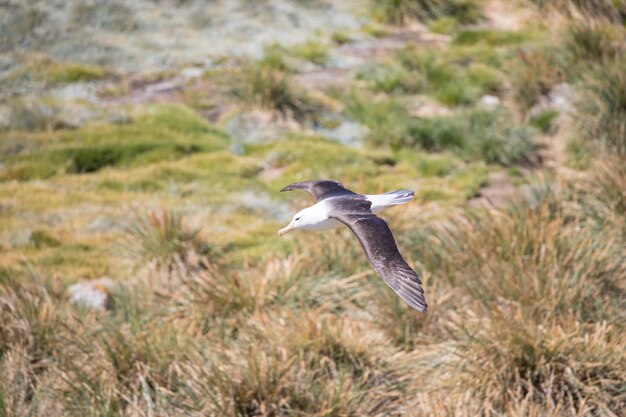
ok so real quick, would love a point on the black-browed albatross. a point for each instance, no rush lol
(337, 205)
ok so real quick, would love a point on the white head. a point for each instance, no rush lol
(306, 219)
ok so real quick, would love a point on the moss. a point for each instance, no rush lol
(66, 73)
(307, 157)
(158, 133)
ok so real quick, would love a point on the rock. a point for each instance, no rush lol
(490, 102)
(94, 294)
(348, 132)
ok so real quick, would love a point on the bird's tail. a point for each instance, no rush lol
(390, 199)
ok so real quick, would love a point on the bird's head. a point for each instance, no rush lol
(298, 221)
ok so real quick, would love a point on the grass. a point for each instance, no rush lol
(592, 42)
(474, 134)
(443, 25)
(167, 132)
(391, 79)
(544, 121)
(451, 83)
(401, 12)
(265, 87)
(603, 108)
(533, 74)
(312, 51)
(281, 335)
(612, 11)
(72, 73)
(215, 315)
(493, 38)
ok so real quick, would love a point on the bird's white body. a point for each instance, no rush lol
(316, 216)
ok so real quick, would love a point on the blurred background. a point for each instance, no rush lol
(142, 148)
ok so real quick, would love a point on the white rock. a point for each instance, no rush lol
(489, 101)
(93, 294)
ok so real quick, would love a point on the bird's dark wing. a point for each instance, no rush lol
(380, 248)
(320, 189)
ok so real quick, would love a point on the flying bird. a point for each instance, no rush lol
(337, 206)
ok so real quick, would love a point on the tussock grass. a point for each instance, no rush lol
(492, 38)
(602, 108)
(536, 317)
(593, 42)
(533, 74)
(401, 12)
(312, 51)
(613, 11)
(268, 88)
(161, 238)
(526, 303)
(527, 313)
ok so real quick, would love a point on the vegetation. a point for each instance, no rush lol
(513, 140)
(265, 87)
(401, 12)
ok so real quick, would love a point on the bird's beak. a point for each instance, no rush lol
(286, 229)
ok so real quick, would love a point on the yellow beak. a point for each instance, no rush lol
(287, 229)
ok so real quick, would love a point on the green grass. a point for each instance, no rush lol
(161, 133)
(443, 25)
(602, 110)
(451, 83)
(474, 134)
(213, 314)
(544, 121)
(391, 79)
(401, 12)
(263, 86)
(589, 42)
(312, 51)
(489, 37)
(72, 73)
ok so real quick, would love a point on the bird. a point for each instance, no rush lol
(337, 206)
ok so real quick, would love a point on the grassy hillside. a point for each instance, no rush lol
(507, 119)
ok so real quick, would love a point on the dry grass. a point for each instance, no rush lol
(527, 302)
(534, 74)
(527, 317)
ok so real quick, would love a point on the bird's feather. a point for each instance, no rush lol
(380, 248)
(320, 189)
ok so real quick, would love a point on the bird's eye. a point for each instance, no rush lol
(297, 218)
